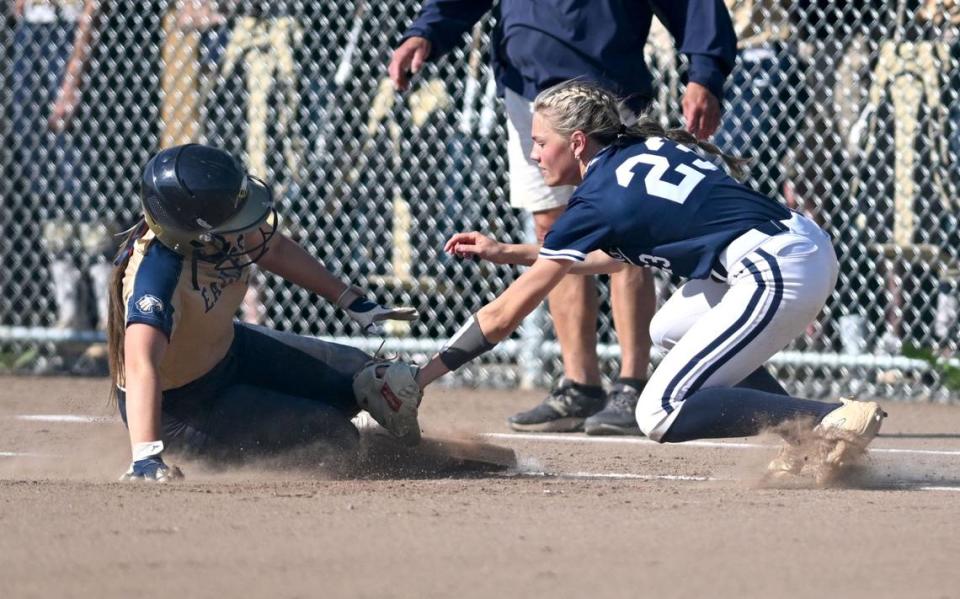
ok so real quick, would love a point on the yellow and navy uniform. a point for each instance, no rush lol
(195, 312)
(233, 390)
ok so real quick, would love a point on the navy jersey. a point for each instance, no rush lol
(657, 203)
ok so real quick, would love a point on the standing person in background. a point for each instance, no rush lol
(109, 95)
(43, 41)
(536, 45)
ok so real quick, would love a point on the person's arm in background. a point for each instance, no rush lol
(198, 15)
(703, 31)
(68, 97)
(440, 26)
(289, 260)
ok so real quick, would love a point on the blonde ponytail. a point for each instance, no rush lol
(577, 105)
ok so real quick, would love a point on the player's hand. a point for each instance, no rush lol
(18, 7)
(475, 245)
(407, 60)
(369, 314)
(152, 469)
(701, 111)
(64, 107)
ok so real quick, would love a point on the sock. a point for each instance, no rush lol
(635, 384)
(724, 412)
(588, 390)
(761, 380)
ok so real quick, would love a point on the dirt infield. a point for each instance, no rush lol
(608, 518)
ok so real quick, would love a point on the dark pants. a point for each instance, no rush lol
(272, 392)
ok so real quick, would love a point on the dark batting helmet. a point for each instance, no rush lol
(195, 196)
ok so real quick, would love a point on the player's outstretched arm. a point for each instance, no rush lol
(289, 260)
(143, 350)
(476, 245)
(495, 321)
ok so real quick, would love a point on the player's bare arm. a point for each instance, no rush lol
(503, 315)
(477, 245)
(143, 349)
(289, 260)
(495, 321)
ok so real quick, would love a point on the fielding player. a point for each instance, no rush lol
(191, 378)
(758, 274)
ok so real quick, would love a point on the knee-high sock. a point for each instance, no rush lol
(761, 380)
(722, 412)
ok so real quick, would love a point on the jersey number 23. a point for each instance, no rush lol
(659, 165)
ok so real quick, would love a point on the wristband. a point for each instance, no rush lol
(465, 345)
(348, 296)
(142, 451)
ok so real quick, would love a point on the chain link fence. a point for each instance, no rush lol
(850, 111)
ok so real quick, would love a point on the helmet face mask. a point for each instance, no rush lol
(229, 251)
(200, 202)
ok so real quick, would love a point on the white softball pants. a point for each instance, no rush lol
(717, 333)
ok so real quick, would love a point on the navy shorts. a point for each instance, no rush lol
(272, 392)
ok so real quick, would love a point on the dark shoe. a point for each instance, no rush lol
(619, 416)
(563, 411)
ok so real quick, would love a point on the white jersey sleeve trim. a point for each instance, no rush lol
(568, 254)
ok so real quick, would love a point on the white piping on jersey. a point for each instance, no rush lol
(567, 254)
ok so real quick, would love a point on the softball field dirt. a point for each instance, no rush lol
(574, 516)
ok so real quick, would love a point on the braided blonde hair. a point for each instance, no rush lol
(578, 105)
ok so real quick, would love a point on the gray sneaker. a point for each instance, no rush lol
(564, 410)
(618, 417)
